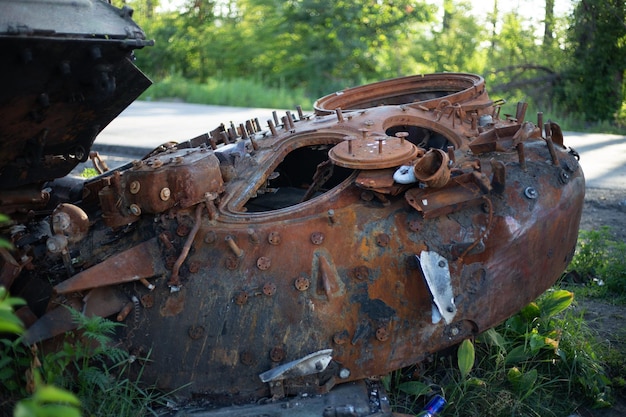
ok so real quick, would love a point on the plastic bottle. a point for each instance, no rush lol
(434, 407)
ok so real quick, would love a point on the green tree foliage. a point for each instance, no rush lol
(594, 78)
(558, 63)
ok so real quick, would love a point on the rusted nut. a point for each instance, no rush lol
(135, 210)
(165, 194)
(246, 358)
(341, 337)
(147, 301)
(195, 332)
(231, 262)
(414, 225)
(182, 230)
(194, 267)
(263, 263)
(210, 237)
(134, 187)
(277, 354)
(241, 298)
(269, 289)
(361, 272)
(317, 238)
(302, 283)
(382, 334)
(382, 240)
(233, 246)
(274, 238)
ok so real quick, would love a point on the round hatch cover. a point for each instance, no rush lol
(374, 152)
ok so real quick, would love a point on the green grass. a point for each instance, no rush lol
(98, 378)
(235, 92)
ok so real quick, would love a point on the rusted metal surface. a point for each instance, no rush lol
(66, 74)
(401, 218)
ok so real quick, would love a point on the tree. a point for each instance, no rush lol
(594, 81)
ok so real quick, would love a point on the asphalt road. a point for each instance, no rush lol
(146, 125)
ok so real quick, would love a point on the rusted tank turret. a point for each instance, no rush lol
(288, 256)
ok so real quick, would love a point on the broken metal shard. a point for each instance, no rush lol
(314, 363)
(253, 244)
(437, 275)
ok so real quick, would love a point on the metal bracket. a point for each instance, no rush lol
(436, 272)
(311, 364)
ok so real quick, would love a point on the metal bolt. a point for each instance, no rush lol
(349, 139)
(339, 114)
(274, 238)
(253, 236)
(380, 141)
(269, 289)
(402, 136)
(382, 334)
(232, 262)
(531, 193)
(135, 210)
(246, 358)
(383, 240)
(331, 216)
(165, 194)
(134, 187)
(302, 283)
(317, 238)
(277, 354)
(344, 373)
(195, 332)
(521, 155)
(241, 298)
(263, 263)
(210, 237)
(233, 246)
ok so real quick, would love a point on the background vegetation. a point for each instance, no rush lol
(569, 63)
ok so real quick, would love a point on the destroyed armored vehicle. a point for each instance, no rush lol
(279, 257)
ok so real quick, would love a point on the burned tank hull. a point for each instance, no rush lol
(311, 250)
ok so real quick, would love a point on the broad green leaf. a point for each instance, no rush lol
(52, 394)
(465, 356)
(555, 302)
(516, 355)
(527, 381)
(414, 388)
(530, 312)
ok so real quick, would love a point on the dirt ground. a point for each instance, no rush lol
(606, 207)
